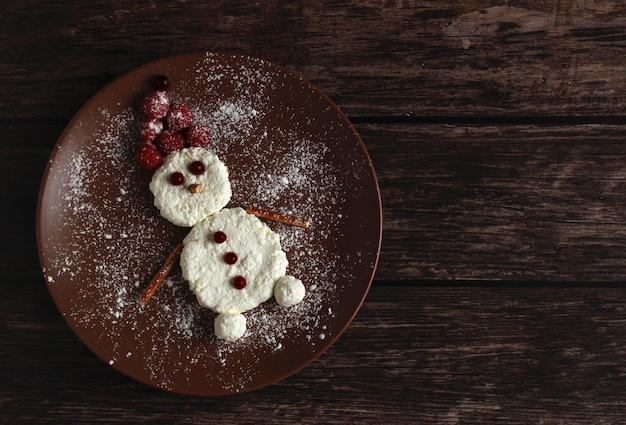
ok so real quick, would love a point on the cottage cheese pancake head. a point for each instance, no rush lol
(185, 192)
(226, 247)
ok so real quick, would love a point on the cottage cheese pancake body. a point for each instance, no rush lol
(213, 265)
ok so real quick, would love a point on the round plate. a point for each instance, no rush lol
(288, 148)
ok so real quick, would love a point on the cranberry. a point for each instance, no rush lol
(196, 168)
(177, 178)
(161, 82)
(219, 237)
(239, 282)
(230, 258)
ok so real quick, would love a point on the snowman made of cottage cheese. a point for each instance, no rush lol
(231, 259)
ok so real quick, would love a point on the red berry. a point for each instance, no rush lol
(161, 82)
(178, 117)
(148, 156)
(196, 168)
(230, 258)
(156, 104)
(170, 141)
(177, 178)
(239, 282)
(219, 237)
(198, 135)
(150, 129)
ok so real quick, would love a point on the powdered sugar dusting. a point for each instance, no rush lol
(102, 263)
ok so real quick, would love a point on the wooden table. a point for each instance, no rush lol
(496, 130)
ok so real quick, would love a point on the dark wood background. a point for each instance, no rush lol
(497, 132)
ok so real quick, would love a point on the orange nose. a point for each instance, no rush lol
(196, 188)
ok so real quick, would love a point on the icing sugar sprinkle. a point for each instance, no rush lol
(291, 171)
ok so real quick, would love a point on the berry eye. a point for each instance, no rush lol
(219, 237)
(196, 168)
(239, 282)
(230, 258)
(177, 178)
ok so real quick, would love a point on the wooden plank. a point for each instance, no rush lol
(423, 355)
(496, 129)
(373, 58)
(501, 202)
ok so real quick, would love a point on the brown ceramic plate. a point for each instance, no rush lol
(288, 148)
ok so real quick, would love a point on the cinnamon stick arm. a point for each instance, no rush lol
(161, 274)
(281, 218)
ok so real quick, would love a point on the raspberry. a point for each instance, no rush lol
(148, 156)
(198, 135)
(178, 117)
(150, 129)
(170, 141)
(156, 104)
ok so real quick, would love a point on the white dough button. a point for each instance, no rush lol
(289, 291)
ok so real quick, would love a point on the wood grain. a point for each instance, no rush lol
(373, 58)
(474, 355)
(496, 202)
(496, 130)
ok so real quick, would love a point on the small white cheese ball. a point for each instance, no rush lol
(184, 204)
(289, 291)
(230, 327)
